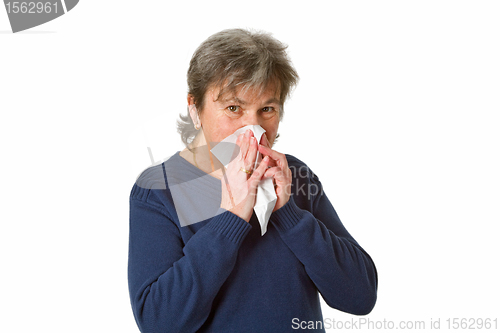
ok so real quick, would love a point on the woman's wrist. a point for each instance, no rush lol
(238, 212)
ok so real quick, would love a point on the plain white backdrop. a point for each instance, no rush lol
(397, 112)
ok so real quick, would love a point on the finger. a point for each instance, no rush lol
(244, 143)
(280, 178)
(278, 157)
(272, 172)
(282, 183)
(259, 172)
(234, 168)
(264, 141)
(251, 154)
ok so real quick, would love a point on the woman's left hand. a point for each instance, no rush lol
(280, 172)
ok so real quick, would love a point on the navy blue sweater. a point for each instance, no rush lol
(220, 275)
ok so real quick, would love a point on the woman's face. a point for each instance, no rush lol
(223, 115)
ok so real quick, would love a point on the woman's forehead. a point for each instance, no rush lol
(246, 94)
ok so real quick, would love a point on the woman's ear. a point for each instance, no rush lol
(193, 112)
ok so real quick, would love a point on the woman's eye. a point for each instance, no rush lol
(233, 108)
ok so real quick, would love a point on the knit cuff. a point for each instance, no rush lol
(230, 225)
(287, 216)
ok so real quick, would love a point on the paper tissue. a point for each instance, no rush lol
(266, 196)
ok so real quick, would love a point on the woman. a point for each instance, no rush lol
(197, 260)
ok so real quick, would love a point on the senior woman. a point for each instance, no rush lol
(197, 259)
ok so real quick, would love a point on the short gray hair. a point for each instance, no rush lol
(232, 58)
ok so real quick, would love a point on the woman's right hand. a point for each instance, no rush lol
(239, 188)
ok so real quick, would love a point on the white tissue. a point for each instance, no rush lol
(266, 196)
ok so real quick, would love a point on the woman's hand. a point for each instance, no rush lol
(279, 170)
(238, 187)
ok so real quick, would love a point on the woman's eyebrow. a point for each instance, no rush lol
(272, 101)
(235, 100)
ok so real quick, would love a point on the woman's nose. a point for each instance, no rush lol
(251, 118)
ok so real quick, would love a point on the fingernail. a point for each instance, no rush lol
(266, 158)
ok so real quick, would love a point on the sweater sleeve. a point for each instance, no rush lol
(172, 285)
(342, 271)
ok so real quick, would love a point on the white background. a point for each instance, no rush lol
(397, 111)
